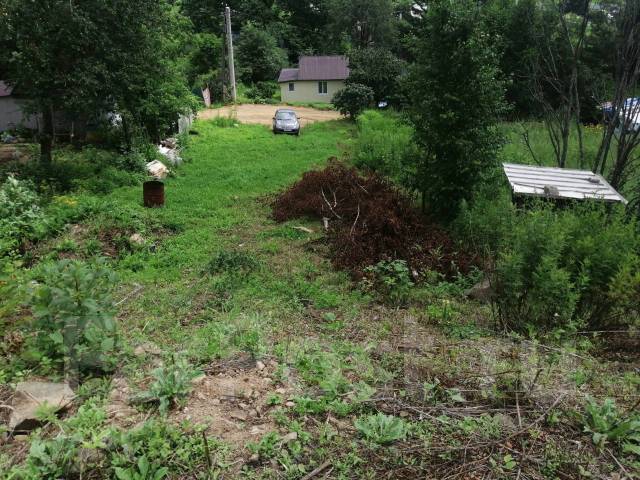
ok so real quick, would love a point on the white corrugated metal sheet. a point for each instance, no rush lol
(559, 183)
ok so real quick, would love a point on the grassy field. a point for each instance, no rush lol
(516, 150)
(305, 371)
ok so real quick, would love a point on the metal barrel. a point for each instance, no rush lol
(153, 194)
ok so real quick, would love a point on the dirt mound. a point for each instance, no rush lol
(370, 220)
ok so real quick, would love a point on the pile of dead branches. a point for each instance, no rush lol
(368, 220)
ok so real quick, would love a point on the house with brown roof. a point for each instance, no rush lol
(315, 80)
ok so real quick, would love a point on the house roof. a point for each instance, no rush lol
(288, 75)
(334, 67)
(563, 183)
(5, 90)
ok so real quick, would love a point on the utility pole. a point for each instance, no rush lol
(232, 68)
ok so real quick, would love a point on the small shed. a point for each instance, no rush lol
(559, 183)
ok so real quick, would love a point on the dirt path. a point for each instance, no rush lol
(263, 114)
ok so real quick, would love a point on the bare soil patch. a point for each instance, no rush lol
(263, 114)
(232, 401)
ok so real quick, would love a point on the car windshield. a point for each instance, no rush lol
(285, 116)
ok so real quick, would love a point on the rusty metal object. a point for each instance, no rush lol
(153, 193)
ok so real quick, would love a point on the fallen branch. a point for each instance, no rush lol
(356, 221)
(318, 470)
(329, 205)
(131, 294)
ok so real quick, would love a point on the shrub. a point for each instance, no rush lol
(384, 145)
(558, 267)
(353, 99)
(74, 316)
(20, 215)
(262, 91)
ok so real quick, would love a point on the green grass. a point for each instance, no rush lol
(219, 200)
(516, 151)
(316, 105)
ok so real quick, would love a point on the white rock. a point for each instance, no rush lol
(136, 239)
(30, 396)
(157, 170)
(290, 437)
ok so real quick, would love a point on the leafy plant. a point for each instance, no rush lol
(502, 466)
(143, 470)
(20, 214)
(268, 445)
(172, 385)
(382, 429)
(74, 315)
(392, 279)
(606, 424)
(232, 262)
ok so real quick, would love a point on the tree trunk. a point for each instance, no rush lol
(126, 131)
(46, 136)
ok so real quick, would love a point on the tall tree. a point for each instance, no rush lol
(259, 56)
(514, 24)
(458, 97)
(205, 64)
(83, 58)
(561, 42)
(307, 25)
(377, 68)
(362, 23)
(624, 125)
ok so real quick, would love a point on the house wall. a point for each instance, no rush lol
(11, 114)
(307, 91)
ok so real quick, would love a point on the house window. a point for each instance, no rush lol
(292, 87)
(322, 88)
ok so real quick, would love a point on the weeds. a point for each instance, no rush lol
(20, 215)
(232, 262)
(74, 316)
(606, 424)
(171, 386)
(382, 429)
(392, 279)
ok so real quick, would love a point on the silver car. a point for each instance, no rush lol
(286, 121)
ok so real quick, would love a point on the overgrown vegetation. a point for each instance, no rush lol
(359, 335)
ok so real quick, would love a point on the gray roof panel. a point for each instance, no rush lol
(570, 184)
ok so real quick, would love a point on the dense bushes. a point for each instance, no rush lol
(262, 92)
(573, 267)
